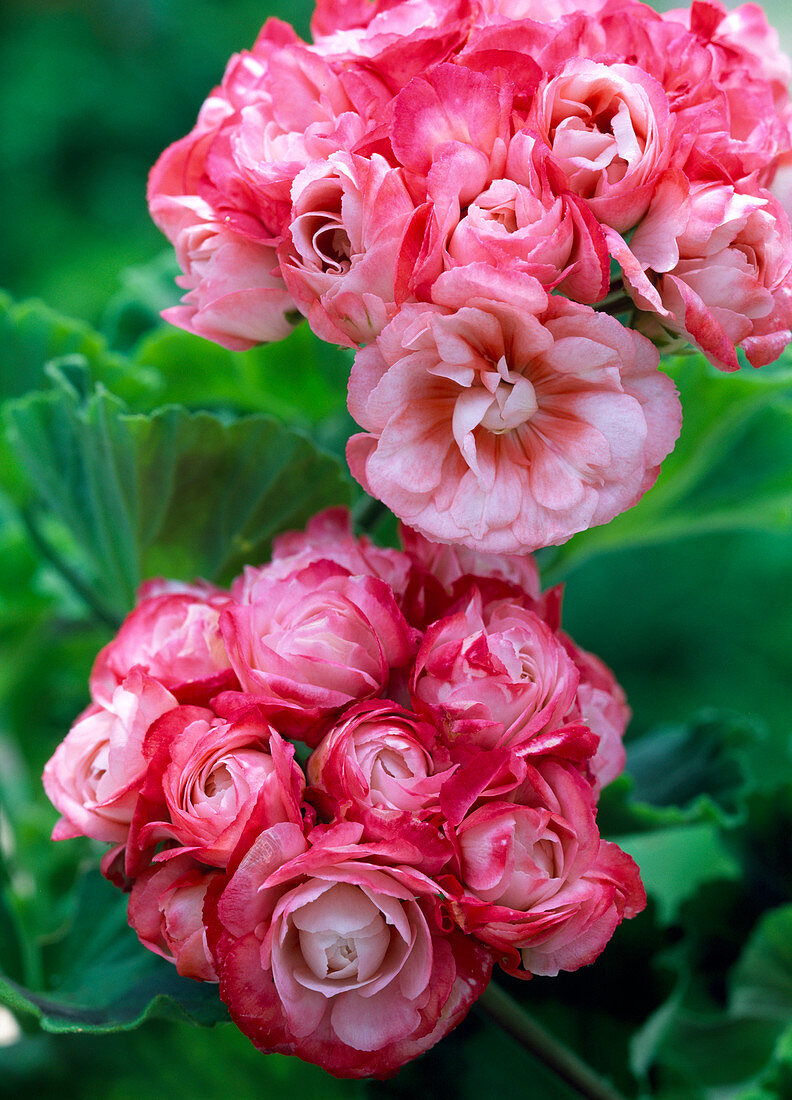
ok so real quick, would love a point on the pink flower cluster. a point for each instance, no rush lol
(445, 185)
(456, 741)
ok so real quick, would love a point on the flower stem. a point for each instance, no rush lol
(506, 1012)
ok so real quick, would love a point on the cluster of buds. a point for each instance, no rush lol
(350, 785)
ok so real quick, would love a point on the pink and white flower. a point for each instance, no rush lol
(384, 766)
(206, 778)
(306, 646)
(166, 911)
(505, 419)
(609, 133)
(95, 775)
(714, 263)
(493, 674)
(339, 255)
(174, 635)
(538, 883)
(327, 948)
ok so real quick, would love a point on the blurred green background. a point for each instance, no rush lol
(90, 93)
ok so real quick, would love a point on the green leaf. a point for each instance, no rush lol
(32, 334)
(732, 1046)
(776, 1081)
(173, 493)
(762, 981)
(693, 772)
(675, 862)
(145, 291)
(730, 469)
(300, 379)
(102, 979)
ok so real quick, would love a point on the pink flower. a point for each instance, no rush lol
(222, 194)
(449, 564)
(328, 949)
(519, 222)
(608, 129)
(601, 705)
(538, 884)
(381, 765)
(391, 42)
(206, 778)
(174, 635)
(493, 674)
(327, 537)
(450, 127)
(715, 263)
(166, 911)
(505, 419)
(236, 297)
(306, 646)
(745, 53)
(339, 255)
(95, 774)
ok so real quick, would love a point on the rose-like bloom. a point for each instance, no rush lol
(381, 765)
(609, 132)
(205, 779)
(538, 884)
(493, 674)
(715, 263)
(390, 42)
(95, 775)
(505, 419)
(449, 564)
(746, 61)
(175, 637)
(222, 193)
(339, 255)
(235, 294)
(601, 705)
(306, 646)
(327, 537)
(328, 949)
(519, 222)
(166, 911)
(557, 242)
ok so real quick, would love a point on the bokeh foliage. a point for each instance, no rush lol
(688, 597)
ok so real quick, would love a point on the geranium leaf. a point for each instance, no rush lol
(731, 1046)
(301, 379)
(694, 772)
(176, 493)
(676, 861)
(32, 334)
(102, 979)
(762, 981)
(730, 469)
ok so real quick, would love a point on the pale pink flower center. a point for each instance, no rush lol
(594, 131)
(320, 237)
(502, 401)
(343, 936)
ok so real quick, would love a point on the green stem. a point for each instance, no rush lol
(505, 1011)
(69, 575)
